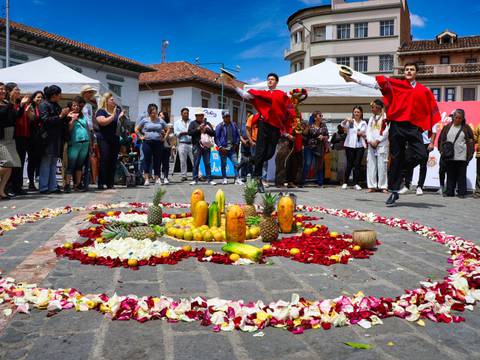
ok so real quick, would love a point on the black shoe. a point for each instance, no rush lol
(68, 189)
(6, 197)
(100, 187)
(45, 192)
(392, 198)
(31, 187)
(58, 191)
(260, 187)
(20, 192)
(184, 179)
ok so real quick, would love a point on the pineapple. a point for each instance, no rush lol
(249, 195)
(268, 226)
(137, 232)
(155, 211)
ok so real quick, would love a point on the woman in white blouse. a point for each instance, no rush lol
(377, 153)
(355, 144)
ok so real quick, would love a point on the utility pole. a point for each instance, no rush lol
(165, 43)
(7, 32)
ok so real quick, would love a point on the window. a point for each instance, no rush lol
(360, 63)
(343, 31)
(445, 59)
(469, 94)
(115, 88)
(166, 105)
(436, 93)
(317, 61)
(204, 103)
(386, 62)
(361, 30)
(235, 115)
(343, 60)
(471, 61)
(298, 37)
(319, 33)
(386, 28)
(450, 94)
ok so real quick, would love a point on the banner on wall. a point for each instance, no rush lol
(472, 115)
(213, 116)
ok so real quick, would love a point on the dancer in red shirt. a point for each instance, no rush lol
(411, 109)
(276, 113)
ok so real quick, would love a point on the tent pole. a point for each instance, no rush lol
(7, 32)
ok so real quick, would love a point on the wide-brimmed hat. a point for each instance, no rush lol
(199, 112)
(87, 88)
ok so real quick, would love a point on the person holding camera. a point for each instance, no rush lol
(227, 138)
(457, 147)
(355, 144)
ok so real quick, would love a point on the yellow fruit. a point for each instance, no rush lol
(248, 234)
(357, 248)
(92, 228)
(217, 235)
(198, 236)
(99, 240)
(92, 255)
(68, 245)
(201, 213)
(208, 253)
(173, 216)
(266, 247)
(187, 248)
(110, 213)
(255, 231)
(104, 308)
(207, 236)
(165, 254)
(335, 258)
(294, 251)
(183, 215)
(235, 224)
(188, 235)
(285, 209)
(171, 231)
(101, 221)
(196, 196)
(308, 231)
(169, 224)
(334, 234)
(234, 257)
(299, 224)
(132, 262)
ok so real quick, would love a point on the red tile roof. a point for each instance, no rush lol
(24, 33)
(182, 71)
(433, 45)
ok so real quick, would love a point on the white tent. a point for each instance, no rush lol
(37, 74)
(322, 80)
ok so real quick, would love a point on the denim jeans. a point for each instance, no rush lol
(309, 156)
(199, 153)
(232, 155)
(48, 173)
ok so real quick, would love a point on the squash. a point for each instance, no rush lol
(366, 239)
(235, 225)
(196, 196)
(220, 199)
(200, 213)
(213, 215)
(285, 209)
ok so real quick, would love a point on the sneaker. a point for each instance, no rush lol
(213, 183)
(225, 181)
(440, 191)
(194, 182)
(392, 199)
(344, 187)
(419, 191)
(165, 181)
(184, 178)
(357, 187)
(146, 183)
(265, 184)
(238, 182)
(404, 190)
(158, 181)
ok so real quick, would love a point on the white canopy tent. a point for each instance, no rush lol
(37, 74)
(322, 80)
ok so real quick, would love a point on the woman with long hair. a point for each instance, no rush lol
(35, 145)
(151, 131)
(22, 135)
(52, 118)
(355, 144)
(107, 133)
(457, 147)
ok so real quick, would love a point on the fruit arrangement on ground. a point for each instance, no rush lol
(268, 226)
(155, 213)
(249, 195)
(285, 213)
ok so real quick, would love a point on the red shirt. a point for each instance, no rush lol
(273, 106)
(406, 103)
(22, 126)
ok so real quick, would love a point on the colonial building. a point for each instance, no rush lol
(115, 73)
(449, 65)
(364, 35)
(175, 85)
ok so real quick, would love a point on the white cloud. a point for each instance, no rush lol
(266, 50)
(253, 80)
(417, 20)
(256, 30)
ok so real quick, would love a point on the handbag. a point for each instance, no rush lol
(448, 147)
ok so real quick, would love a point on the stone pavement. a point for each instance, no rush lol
(401, 262)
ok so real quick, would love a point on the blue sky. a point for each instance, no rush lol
(251, 34)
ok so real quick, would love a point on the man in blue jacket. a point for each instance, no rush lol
(227, 139)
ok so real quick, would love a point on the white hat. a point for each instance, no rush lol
(87, 88)
(199, 112)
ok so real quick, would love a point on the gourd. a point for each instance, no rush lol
(220, 199)
(366, 239)
(196, 196)
(235, 225)
(285, 209)
(200, 213)
(213, 215)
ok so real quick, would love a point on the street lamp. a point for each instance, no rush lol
(223, 70)
(165, 43)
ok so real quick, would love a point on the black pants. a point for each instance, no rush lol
(109, 149)
(423, 171)
(267, 139)
(401, 160)
(354, 161)
(165, 161)
(442, 170)
(16, 179)
(34, 152)
(456, 177)
(477, 183)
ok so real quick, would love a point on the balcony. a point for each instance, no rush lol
(296, 49)
(445, 70)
